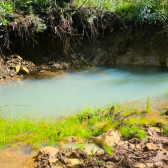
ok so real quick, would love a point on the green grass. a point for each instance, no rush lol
(165, 130)
(127, 130)
(90, 122)
(148, 105)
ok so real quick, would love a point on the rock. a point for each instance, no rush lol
(150, 146)
(65, 65)
(24, 70)
(156, 129)
(17, 56)
(142, 165)
(48, 150)
(64, 160)
(74, 161)
(56, 67)
(17, 68)
(109, 138)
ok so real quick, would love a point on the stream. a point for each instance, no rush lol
(69, 92)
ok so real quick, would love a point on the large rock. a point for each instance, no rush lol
(51, 151)
(24, 70)
(109, 138)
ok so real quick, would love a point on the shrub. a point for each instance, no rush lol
(147, 12)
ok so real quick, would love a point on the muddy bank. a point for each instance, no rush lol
(122, 153)
(151, 152)
(146, 45)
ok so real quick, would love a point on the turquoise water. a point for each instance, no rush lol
(69, 92)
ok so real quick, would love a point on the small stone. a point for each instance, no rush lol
(74, 161)
(56, 67)
(151, 146)
(25, 70)
(17, 68)
(157, 129)
(17, 56)
(140, 165)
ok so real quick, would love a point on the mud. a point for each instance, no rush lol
(151, 152)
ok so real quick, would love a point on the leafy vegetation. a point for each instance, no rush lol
(5, 8)
(138, 11)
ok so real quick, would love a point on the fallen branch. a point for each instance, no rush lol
(119, 162)
(122, 121)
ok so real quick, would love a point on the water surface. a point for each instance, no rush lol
(71, 91)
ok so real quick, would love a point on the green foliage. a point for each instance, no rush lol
(128, 131)
(39, 6)
(41, 26)
(165, 130)
(5, 9)
(108, 149)
(147, 11)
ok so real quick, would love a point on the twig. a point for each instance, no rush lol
(119, 162)
(125, 118)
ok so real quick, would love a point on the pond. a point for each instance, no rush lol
(69, 92)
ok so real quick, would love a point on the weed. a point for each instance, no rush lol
(148, 105)
(80, 147)
(165, 130)
(108, 149)
(132, 131)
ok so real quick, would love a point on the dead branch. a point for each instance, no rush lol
(122, 121)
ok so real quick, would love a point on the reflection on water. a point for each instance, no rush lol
(60, 94)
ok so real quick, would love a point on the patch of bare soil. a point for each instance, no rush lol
(15, 158)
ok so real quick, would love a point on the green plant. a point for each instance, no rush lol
(132, 131)
(108, 149)
(41, 26)
(165, 130)
(148, 105)
(5, 9)
(80, 147)
(147, 11)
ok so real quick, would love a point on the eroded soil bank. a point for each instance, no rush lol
(146, 45)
